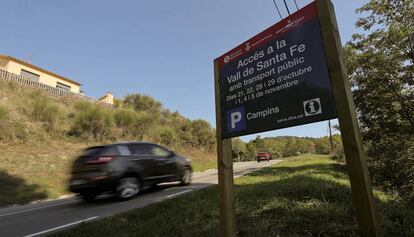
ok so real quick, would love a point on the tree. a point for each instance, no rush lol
(259, 143)
(251, 151)
(203, 133)
(380, 66)
(197, 133)
(239, 151)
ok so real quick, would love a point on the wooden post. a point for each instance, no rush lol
(227, 205)
(357, 167)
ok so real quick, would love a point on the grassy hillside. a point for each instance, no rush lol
(303, 196)
(40, 136)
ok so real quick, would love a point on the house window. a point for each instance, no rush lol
(29, 75)
(62, 86)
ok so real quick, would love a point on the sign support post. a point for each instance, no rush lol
(362, 195)
(227, 209)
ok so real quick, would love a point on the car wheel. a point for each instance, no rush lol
(127, 188)
(258, 161)
(88, 197)
(186, 177)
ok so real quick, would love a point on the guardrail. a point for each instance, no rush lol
(4, 75)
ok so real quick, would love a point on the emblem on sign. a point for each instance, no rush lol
(247, 46)
(312, 107)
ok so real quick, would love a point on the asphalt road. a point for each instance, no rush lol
(53, 216)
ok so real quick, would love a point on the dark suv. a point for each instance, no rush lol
(124, 168)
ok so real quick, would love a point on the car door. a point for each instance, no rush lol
(166, 163)
(144, 161)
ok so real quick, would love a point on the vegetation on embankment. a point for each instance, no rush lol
(308, 195)
(41, 135)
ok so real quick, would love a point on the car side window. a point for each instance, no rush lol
(159, 151)
(124, 151)
(140, 150)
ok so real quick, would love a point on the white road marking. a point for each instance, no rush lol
(37, 208)
(62, 226)
(180, 193)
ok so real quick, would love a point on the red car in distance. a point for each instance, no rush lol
(263, 155)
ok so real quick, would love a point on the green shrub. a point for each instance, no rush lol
(142, 103)
(93, 123)
(125, 118)
(143, 123)
(83, 106)
(339, 155)
(322, 146)
(44, 110)
(197, 133)
(165, 135)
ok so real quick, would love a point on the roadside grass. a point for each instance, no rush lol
(201, 160)
(303, 196)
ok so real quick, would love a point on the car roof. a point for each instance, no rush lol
(131, 143)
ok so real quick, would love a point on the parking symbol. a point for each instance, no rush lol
(236, 119)
(312, 107)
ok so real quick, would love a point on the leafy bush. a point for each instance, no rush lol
(143, 123)
(44, 110)
(339, 155)
(165, 135)
(142, 103)
(93, 123)
(322, 146)
(125, 119)
(239, 151)
(391, 163)
(197, 133)
(83, 106)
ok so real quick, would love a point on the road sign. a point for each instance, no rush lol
(277, 79)
(290, 74)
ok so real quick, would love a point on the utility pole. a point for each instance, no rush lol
(330, 134)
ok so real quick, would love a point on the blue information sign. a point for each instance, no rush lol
(277, 79)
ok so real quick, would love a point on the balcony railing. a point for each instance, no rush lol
(4, 75)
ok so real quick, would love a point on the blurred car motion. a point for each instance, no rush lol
(125, 168)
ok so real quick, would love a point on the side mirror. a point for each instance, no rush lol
(172, 154)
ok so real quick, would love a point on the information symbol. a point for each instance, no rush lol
(312, 107)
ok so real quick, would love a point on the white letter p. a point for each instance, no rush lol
(235, 118)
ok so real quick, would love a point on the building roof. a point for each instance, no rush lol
(104, 96)
(40, 69)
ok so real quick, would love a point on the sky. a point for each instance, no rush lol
(160, 48)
